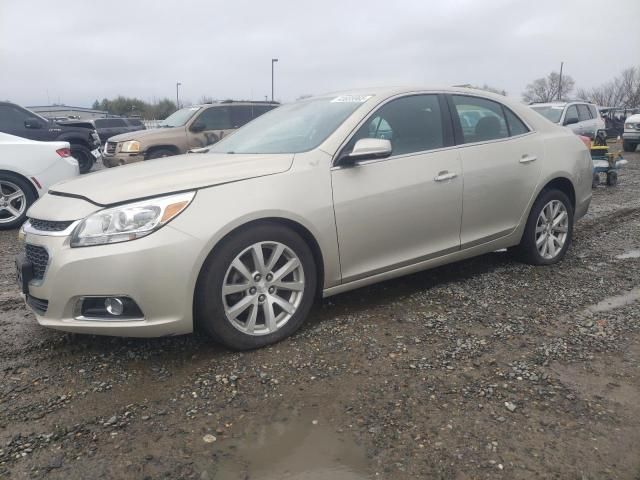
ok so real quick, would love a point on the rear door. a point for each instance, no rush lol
(587, 122)
(211, 125)
(571, 113)
(406, 208)
(501, 164)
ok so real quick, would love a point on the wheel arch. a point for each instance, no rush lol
(168, 146)
(34, 190)
(565, 185)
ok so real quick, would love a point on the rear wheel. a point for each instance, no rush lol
(256, 288)
(629, 146)
(84, 157)
(160, 153)
(549, 228)
(612, 178)
(16, 196)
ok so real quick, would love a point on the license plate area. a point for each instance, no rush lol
(24, 272)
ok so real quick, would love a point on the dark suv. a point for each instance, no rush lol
(82, 135)
(110, 127)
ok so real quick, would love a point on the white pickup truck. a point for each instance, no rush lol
(631, 134)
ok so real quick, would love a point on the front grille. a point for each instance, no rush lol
(111, 148)
(39, 257)
(48, 225)
(39, 306)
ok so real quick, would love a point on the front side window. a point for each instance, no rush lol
(572, 112)
(481, 119)
(293, 128)
(12, 117)
(412, 124)
(583, 113)
(215, 118)
(241, 114)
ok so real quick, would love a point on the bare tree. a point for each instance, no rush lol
(205, 99)
(489, 88)
(548, 89)
(622, 91)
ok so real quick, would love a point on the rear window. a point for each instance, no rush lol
(109, 122)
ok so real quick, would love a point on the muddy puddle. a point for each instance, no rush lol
(296, 447)
(617, 301)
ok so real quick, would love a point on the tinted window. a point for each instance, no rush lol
(594, 112)
(109, 122)
(553, 112)
(516, 127)
(411, 124)
(260, 109)
(12, 117)
(572, 112)
(583, 113)
(480, 119)
(215, 118)
(241, 114)
(134, 122)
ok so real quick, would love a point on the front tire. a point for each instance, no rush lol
(160, 153)
(629, 146)
(84, 157)
(549, 229)
(16, 196)
(256, 288)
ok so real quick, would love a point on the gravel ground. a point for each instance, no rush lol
(482, 369)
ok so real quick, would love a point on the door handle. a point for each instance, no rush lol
(528, 158)
(445, 175)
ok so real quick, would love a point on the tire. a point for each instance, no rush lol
(160, 153)
(528, 251)
(612, 178)
(629, 146)
(214, 311)
(84, 157)
(595, 180)
(11, 184)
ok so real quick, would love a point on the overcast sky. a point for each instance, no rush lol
(77, 51)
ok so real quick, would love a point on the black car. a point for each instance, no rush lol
(82, 135)
(110, 127)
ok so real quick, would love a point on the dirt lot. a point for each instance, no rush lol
(482, 369)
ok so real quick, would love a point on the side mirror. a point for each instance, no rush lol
(198, 127)
(368, 149)
(571, 120)
(32, 123)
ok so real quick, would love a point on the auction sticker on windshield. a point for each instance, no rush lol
(351, 99)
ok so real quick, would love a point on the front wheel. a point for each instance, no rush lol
(549, 228)
(256, 288)
(629, 146)
(15, 199)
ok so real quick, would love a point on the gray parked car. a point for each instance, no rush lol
(109, 127)
(581, 117)
(314, 198)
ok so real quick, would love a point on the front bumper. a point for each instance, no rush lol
(156, 271)
(117, 159)
(631, 135)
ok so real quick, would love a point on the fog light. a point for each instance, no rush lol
(114, 306)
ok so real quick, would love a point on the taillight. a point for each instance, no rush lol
(64, 152)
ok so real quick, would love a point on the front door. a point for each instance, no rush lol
(501, 161)
(209, 127)
(405, 208)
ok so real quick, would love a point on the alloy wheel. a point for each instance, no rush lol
(13, 202)
(552, 229)
(263, 288)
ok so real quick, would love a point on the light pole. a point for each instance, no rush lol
(273, 61)
(178, 95)
(560, 82)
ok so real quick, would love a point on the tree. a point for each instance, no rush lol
(488, 88)
(133, 106)
(548, 89)
(622, 91)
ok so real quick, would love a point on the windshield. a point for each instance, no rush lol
(294, 128)
(551, 112)
(179, 118)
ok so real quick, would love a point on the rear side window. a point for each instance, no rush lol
(260, 109)
(583, 113)
(241, 114)
(594, 111)
(412, 124)
(481, 119)
(109, 122)
(516, 127)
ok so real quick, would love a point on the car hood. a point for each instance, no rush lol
(633, 118)
(169, 174)
(149, 134)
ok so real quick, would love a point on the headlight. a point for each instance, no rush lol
(130, 221)
(132, 146)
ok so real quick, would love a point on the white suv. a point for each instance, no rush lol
(581, 117)
(631, 135)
